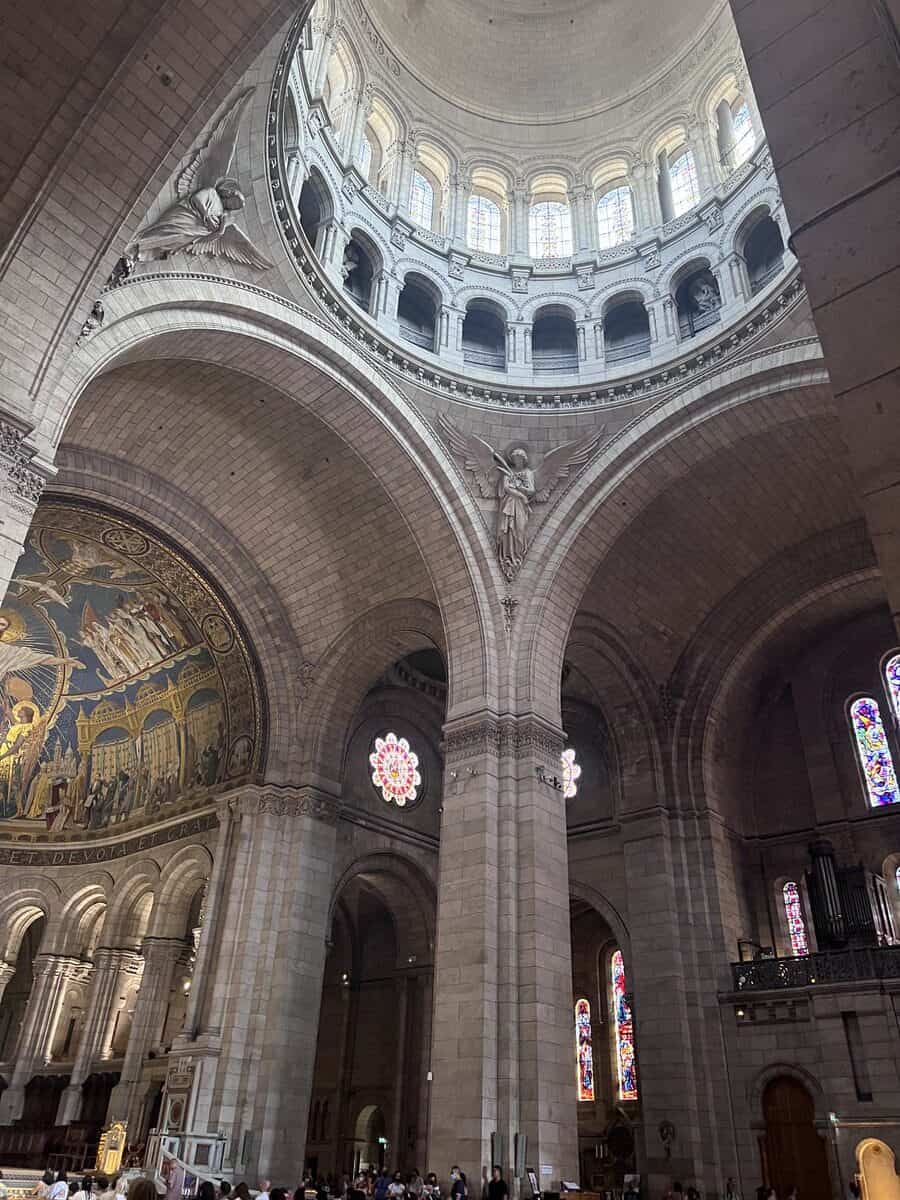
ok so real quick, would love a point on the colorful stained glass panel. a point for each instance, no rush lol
(395, 770)
(892, 682)
(584, 1050)
(793, 910)
(624, 1030)
(874, 752)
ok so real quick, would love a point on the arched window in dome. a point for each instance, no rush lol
(365, 156)
(892, 683)
(550, 230)
(793, 911)
(421, 200)
(584, 1050)
(483, 226)
(623, 1029)
(615, 217)
(744, 135)
(683, 181)
(873, 752)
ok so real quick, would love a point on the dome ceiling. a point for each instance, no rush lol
(539, 61)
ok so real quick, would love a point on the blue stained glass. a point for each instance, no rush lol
(874, 752)
(892, 681)
(584, 1050)
(624, 1027)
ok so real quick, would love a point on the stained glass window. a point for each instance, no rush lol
(421, 201)
(743, 133)
(874, 752)
(685, 190)
(793, 910)
(550, 230)
(483, 231)
(571, 773)
(395, 770)
(365, 157)
(892, 682)
(615, 217)
(624, 1030)
(897, 877)
(584, 1050)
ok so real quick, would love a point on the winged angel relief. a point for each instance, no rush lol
(518, 486)
(200, 221)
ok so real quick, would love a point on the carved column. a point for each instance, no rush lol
(52, 974)
(329, 36)
(253, 1045)
(22, 480)
(646, 205)
(502, 1034)
(699, 141)
(460, 184)
(7, 970)
(581, 224)
(664, 187)
(111, 967)
(160, 957)
(407, 164)
(518, 239)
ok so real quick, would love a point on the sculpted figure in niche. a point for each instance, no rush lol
(199, 222)
(705, 294)
(516, 484)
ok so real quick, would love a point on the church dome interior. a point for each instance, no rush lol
(449, 640)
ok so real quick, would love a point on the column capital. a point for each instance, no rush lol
(290, 802)
(117, 958)
(61, 965)
(7, 970)
(506, 736)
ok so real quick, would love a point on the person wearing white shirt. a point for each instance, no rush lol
(60, 1189)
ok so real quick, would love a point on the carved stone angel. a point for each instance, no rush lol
(199, 222)
(518, 486)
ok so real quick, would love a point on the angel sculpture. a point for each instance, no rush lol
(519, 485)
(200, 221)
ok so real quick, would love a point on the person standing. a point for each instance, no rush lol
(497, 1189)
(60, 1189)
(458, 1188)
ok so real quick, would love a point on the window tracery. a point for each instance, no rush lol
(623, 1029)
(395, 770)
(873, 752)
(615, 217)
(793, 911)
(483, 230)
(683, 178)
(550, 229)
(421, 200)
(742, 128)
(584, 1050)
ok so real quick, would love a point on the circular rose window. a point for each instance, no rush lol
(395, 770)
(571, 773)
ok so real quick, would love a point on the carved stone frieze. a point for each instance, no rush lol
(502, 737)
(21, 484)
(290, 803)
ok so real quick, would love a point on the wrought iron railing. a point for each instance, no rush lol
(835, 966)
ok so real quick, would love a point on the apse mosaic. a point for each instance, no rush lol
(126, 689)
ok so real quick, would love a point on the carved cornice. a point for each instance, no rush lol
(287, 802)
(502, 737)
(22, 484)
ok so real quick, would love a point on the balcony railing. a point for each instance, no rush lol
(555, 364)
(835, 966)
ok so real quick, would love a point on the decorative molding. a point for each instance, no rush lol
(502, 737)
(22, 854)
(289, 802)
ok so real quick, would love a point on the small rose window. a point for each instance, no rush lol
(395, 770)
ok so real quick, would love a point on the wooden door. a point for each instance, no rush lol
(795, 1154)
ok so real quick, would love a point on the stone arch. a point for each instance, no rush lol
(180, 879)
(81, 914)
(407, 892)
(33, 897)
(141, 880)
(606, 909)
(371, 416)
(758, 1083)
(564, 559)
(367, 646)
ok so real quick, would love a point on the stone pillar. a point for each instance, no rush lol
(52, 974)
(581, 223)
(252, 1052)
(518, 234)
(407, 165)
(646, 205)
(699, 142)
(111, 966)
(22, 480)
(363, 112)
(317, 83)
(664, 187)
(460, 184)
(725, 137)
(502, 1033)
(160, 957)
(400, 1067)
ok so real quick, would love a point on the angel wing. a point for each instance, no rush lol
(477, 456)
(561, 462)
(231, 243)
(212, 162)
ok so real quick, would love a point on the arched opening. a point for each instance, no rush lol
(369, 1104)
(484, 336)
(763, 253)
(626, 331)
(314, 208)
(794, 1154)
(361, 264)
(878, 1177)
(554, 342)
(417, 312)
(604, 1071)
(698, 302)
(15, 998)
